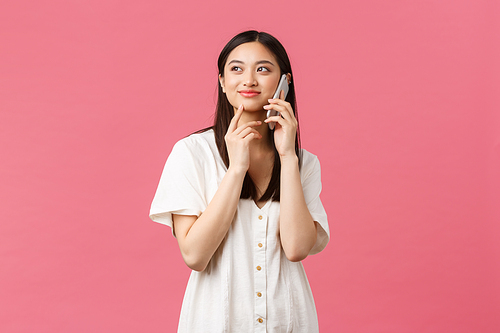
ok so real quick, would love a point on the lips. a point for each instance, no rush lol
(249, 93)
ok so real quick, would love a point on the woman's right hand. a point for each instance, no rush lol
(238, 140)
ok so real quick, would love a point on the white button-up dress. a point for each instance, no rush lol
(249, 285)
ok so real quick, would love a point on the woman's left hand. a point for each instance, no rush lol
(285, 128)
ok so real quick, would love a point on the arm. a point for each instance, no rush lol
(297, 227)
(199, 237)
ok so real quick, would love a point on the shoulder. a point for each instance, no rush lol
(198, 150)
(310, 163)
(197, 142)
(197, 146)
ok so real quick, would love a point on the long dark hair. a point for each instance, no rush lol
(225, 112)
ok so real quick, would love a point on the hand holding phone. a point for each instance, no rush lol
(283, 85)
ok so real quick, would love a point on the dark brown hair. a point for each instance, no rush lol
(225, 112)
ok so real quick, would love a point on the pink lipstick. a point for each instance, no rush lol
(248, 93)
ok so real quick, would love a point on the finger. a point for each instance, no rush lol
(280, 103)
(277, 101)
(285, 113)
(282, 121)
(277, 107)
(252, 136)
(282, 95)
(284, 108)
(247, 131)
(247, 125)
(274, 119)
(234, 122)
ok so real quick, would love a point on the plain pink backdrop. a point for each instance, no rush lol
(399, 99)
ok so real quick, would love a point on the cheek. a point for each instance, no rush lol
(229, 78)
(271, 88)
(231, 82)
(272, 84)
(230, 87)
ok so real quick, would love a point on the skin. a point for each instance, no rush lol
(252, 67)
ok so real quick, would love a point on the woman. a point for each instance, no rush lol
(243, 202)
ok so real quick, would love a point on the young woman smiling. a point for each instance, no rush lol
(243, 202)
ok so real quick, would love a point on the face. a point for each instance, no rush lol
(251, 76)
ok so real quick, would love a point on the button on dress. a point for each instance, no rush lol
(249, 285)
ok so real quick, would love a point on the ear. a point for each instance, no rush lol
(289, 78)
(221, 81)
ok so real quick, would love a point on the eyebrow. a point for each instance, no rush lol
(257, 63)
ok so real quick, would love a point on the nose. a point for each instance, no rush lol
(249, 79)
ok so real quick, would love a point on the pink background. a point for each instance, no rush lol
(399, 99)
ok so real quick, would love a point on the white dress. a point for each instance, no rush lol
(249, 285)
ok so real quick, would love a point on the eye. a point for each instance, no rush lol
(263, 69)
(236, 69)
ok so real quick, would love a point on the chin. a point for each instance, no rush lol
(253, 107)
(255, 110)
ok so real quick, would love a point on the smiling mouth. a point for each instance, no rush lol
(248, 93)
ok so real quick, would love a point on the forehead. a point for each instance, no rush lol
(251, 53)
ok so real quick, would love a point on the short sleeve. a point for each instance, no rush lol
(311, 185)
(182, 186)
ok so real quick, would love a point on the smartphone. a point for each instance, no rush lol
(283, 85)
